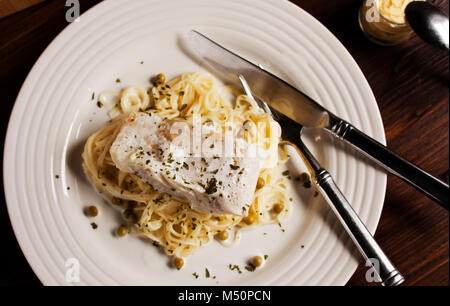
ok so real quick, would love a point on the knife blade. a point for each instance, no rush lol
(299, 107)
(280, 95)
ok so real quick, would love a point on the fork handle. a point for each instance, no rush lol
(368, 247)
(395, 164)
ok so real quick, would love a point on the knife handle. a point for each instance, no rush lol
(395, 164)
(368, 247)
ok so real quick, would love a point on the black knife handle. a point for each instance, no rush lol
(395, 164)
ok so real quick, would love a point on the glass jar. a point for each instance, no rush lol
(382, 24)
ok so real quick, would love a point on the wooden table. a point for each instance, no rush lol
(410, 82)
(8, 7)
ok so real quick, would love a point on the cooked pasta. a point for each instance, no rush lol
(168, 221)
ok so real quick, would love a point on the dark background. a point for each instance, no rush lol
(410, 82)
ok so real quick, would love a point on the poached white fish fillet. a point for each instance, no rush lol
(159, 152)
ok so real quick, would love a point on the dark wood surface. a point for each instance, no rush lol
(410, 82)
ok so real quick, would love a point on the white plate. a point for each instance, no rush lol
(51, 121)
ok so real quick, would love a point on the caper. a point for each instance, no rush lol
(160, 79)
(122, 231)
(92, 211)
(257, 261)
(223, 235)
(304, 178)
(278, 208)
(260, 183)
(249, 220)
(178, 263)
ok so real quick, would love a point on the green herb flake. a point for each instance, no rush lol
(233, 167)
(211, 186)
(235, 267)
(250, 267)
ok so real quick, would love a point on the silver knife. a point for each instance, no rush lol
(288, 100)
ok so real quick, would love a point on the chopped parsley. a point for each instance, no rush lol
(211, 186)
(170, 160)
(250, 267)
(235, 267)
(233, 167)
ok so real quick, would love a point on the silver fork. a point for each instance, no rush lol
(368, 247)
